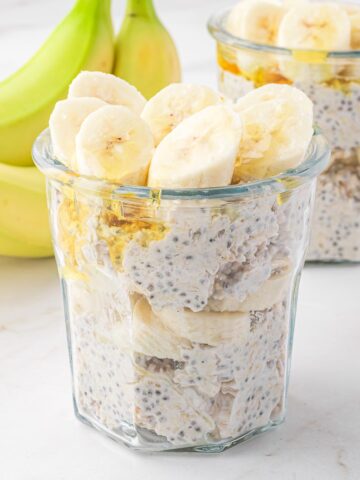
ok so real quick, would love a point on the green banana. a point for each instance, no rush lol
(24, 224)
(82, 41)
(145, 52)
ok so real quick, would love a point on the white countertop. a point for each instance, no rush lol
(40, 439)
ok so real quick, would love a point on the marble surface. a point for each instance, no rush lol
(40, 439)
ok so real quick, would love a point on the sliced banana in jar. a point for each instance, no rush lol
(277, 130)
(165, 333)
(114, 144)
(65, 122)
(257, 21)
(210, 328)
(173, 104)
(200, 152)
(260, 21)
(309, 30)
(234, 19)
(318, 26)
(270, 293)
(108, 88)
(149, 335)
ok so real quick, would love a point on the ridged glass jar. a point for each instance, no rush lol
(332, 81)
(180, 304)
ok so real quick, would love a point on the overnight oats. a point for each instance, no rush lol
(180, 275)
(316, 48)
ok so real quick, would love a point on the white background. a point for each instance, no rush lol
(39, 436)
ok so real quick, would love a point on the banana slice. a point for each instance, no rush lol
(260, 22)
(257, 21)
(173, 104)
(319, 26)
(234, 19)
(313, 26)
(108, 88)
(277, 130)
(270, 293)
(65, 122)
(200, 152)
(150, 336)
(115, 144)
(210, 328)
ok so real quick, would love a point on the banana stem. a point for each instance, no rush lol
(140, 8)
(101, 5)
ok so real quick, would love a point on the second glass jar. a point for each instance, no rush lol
(332, 81)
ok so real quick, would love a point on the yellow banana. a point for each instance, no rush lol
(145, 52)
(82, 41)
(24, 225)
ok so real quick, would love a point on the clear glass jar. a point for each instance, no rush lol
(180, 304)
(332, 81)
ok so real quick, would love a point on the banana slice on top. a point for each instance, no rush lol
(277, 130)
(313, 26)
(109, 88)
(200, 152)
(257, 21)
(114, 144)
(173, 104)
(319, 26)
(260, 21)
(234, 19)
(65, 122)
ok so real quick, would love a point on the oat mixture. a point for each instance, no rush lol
(185, 338)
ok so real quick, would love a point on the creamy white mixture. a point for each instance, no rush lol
(191, 344)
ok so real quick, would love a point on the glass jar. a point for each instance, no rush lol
(332, 81)
(180, 304)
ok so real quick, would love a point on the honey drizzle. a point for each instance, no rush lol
(262, 76)
(120, 224)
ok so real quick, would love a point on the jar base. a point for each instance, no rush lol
(143, 440)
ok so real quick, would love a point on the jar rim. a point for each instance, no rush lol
(217, 30)
(315, 162)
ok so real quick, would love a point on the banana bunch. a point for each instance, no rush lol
(83, 40)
